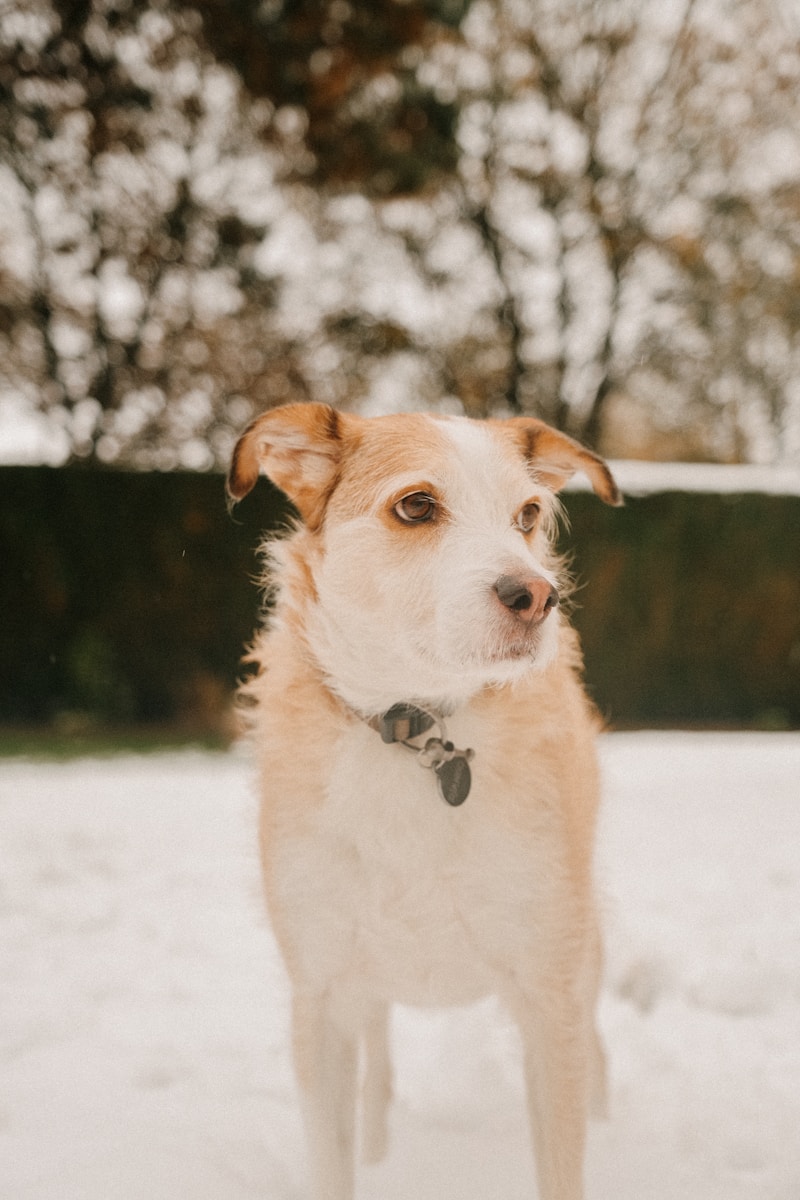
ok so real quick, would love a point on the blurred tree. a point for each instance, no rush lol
(718, 328)
(634, 171)
(349, 73)
(584, 209)
(136, 190)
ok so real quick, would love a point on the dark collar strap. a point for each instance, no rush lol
(401, 722)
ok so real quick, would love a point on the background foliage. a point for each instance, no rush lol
(585, 209)
(127, 598)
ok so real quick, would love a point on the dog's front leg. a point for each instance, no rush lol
(557, 1064)
(326, 1062)
(377, 1086)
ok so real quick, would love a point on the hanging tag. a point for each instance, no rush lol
(455, 779)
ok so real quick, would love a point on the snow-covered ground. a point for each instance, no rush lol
(642, 478)
(143, 1008)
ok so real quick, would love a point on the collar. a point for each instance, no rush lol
(403, 722)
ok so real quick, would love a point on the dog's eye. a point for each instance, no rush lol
(527, 516)
(416, 508)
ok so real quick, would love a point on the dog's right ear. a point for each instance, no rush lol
(299, 447)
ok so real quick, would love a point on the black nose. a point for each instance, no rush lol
(530, 599)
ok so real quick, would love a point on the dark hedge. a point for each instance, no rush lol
(127, 598)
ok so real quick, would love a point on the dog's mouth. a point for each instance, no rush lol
(530, 646)
(519, 648)
(515, 652)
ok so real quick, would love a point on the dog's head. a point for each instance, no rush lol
(428, 570)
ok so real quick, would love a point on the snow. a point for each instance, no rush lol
(143, 1006)
(640, 478)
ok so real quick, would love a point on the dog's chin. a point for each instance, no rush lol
(530, 647)
(536, 647)
(517, 651)
(513, 655)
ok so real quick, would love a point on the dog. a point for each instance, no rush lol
(427, 762)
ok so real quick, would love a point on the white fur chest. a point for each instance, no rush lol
(394, 893)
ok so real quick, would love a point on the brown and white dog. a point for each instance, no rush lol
(404, 862)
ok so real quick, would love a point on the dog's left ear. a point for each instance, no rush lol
(555, 458)
(300, 448)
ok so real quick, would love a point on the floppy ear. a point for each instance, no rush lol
(300, 447)
(555, 458)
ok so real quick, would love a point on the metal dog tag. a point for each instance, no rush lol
(455, 779)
